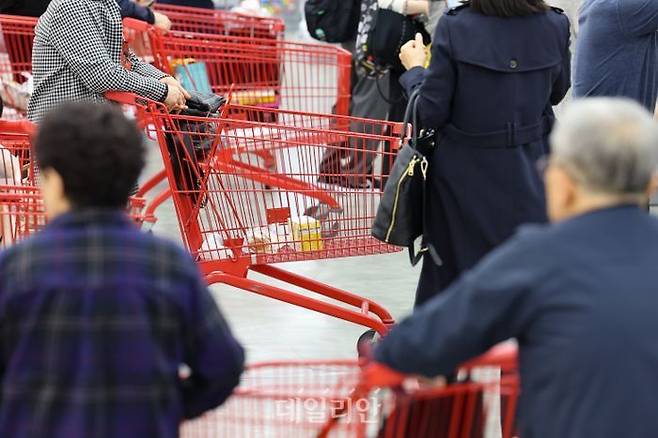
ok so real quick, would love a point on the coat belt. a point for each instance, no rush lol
(511, 137)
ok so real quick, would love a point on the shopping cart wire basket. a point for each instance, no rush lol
(265, 72)
(340, 399)
(17, 34)
(217, 21)
(203, 21)
(250, 194)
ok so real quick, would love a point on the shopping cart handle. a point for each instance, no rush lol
(377, 375)
(122, 97)
(24, 127)
(502, 355)
(137, 25)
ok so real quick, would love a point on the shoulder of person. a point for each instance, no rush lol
(558, 14)
(457, 9)
(66, 8)
(557, 10)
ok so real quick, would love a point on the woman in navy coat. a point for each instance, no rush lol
(497, 68)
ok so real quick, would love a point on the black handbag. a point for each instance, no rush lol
(390, 31)
(194, 141)
(401, 215)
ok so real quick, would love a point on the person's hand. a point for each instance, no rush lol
(410, 7)
(418, 7)
(175, 100)
(161, 21)
(414, 53)
(170, 80)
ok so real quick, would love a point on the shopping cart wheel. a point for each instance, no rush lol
(365, 343)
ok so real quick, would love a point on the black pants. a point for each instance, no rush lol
(379, 98)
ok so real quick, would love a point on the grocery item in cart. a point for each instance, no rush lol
(255, 97)
(192, 75)
(269, 239)
(260, 240)
(307, 233)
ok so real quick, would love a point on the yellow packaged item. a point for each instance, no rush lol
(307, 233)
(254, 97)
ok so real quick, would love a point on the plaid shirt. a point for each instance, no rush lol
(77, 56)
(95, 320)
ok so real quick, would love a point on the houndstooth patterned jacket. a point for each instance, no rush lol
(77, 53)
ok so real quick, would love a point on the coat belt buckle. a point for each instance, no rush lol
(511, 134)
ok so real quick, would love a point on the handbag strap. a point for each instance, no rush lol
(388, 100)
(411, 115)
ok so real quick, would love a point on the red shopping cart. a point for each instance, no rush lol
(22, 211)
(217, 21)
(193, 21)
(336, 399)
(16, 165)
(263, 72)
(21, 207)
(250, 194)
(15, 61)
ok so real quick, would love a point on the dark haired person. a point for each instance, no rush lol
(497, 68)
(79, 54)
(617, 52)
(97, 317)
(579, 295)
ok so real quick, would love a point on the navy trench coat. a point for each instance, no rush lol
(489, 91)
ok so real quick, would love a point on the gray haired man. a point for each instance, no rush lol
(579, 295)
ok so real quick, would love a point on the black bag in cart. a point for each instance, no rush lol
(332, 21)
(401, 215)
(194, 141)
